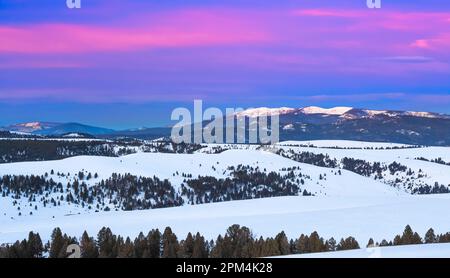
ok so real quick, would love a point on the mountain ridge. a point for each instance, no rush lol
(306, 123)
(338, 110)
(55, 128)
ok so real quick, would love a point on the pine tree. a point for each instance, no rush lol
(316, 243)
(57, 244)
(416, 239)
(200, 249)
(216, 250)
(410, 237)
(125, 249)
(331, 244)
(430, 236)
(271, 248)
(303, 244)
(141, 246)
(292, 247)
(154, 244)
(444, 238)
(283, 243)
(35, 246)
(407, 237)
(370, 243)
(239, 241)
(187, 247)
(397, 240)
(88, 247)
(348, 244)
(106, 242)
(170, 244)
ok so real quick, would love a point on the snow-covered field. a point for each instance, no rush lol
(361, 217)
(441, 250)
(345, 204)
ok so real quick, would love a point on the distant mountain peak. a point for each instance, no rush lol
(50, 128)
(35, 125)
(339, 110)
(254, 112)
(31, 127)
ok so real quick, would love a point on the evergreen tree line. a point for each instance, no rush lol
(40, 150)
(14, 150)
(438, 160)
(237, 242)
(321, 160)
(436, 189)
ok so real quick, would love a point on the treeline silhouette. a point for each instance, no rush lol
(237, 242)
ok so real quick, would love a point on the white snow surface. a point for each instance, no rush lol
(437, 250)
(362, 217)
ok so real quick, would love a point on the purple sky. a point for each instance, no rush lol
(128, 63)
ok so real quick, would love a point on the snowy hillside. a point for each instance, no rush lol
(417, 167)
(165, 166)
(318, 181)
(414, 169)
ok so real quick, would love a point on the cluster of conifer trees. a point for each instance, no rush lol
(322, 160)
(17, 150)
(237, 242)
(245, 182)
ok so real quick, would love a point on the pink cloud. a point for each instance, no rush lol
(328, 13)
(421, 44)
(315, 40)
(178, 29)
(440, 41)
(386, 19)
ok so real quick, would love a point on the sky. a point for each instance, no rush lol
(129, 63)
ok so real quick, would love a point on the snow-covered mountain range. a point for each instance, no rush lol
(307, 123)
(348, 123)
(53, 128)
(341, 111)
